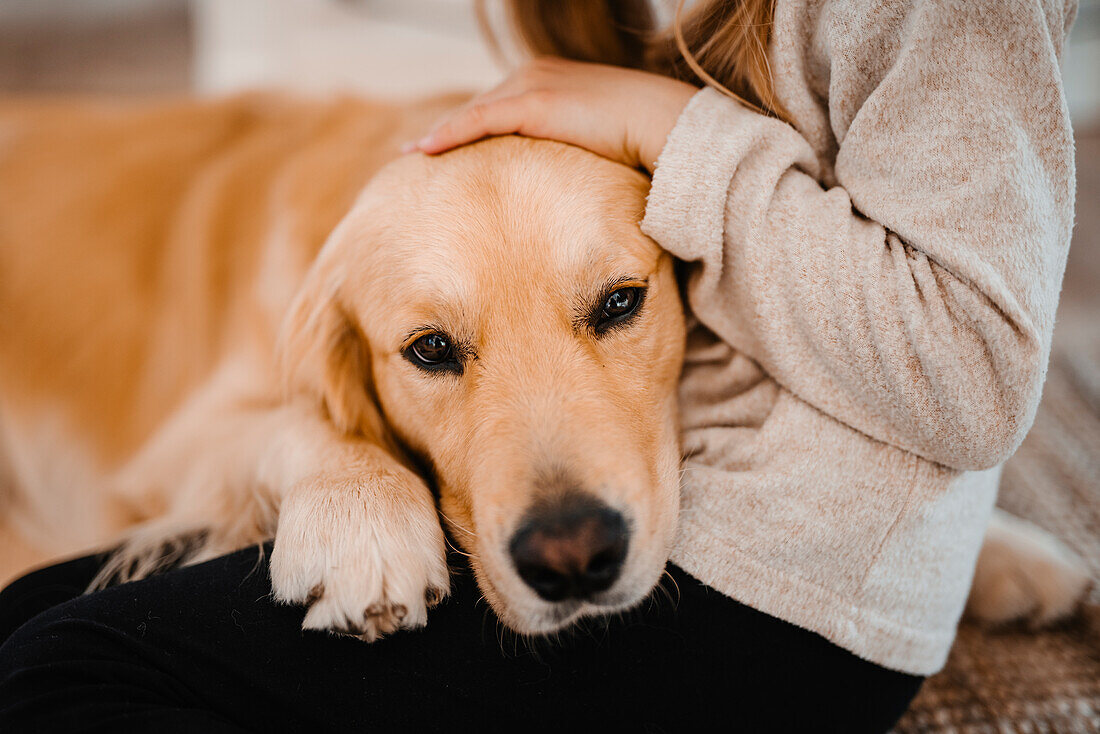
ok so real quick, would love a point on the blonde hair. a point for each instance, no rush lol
(722, 43)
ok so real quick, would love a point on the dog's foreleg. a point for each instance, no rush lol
(357, 533)
(358, 538)
(193, 491)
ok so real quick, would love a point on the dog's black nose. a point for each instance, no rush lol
(571, 549)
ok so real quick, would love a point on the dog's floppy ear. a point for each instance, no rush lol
(324, 354)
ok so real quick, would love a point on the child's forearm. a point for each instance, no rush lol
(914, 300)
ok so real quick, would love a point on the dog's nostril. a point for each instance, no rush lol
(547, 583)
(605, 564)
(570, 550)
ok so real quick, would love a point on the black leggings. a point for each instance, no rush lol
(204, 649)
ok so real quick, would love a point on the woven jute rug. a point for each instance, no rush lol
(1017, 680)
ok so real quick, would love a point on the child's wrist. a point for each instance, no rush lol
(669, 103)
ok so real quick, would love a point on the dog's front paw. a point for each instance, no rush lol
(366, 555)
(1025, 573)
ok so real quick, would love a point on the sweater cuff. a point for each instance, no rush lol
(686, 206)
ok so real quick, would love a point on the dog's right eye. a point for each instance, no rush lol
(433, 352)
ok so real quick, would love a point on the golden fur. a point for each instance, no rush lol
(185, 369)
(163, 248)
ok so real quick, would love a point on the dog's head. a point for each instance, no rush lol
(497, 311)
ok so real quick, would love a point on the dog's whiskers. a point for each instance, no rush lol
(455, 524)
(661, 586)
(455, 549)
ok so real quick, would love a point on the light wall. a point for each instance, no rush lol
(388, 48)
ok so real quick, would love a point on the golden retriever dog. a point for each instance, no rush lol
(226, 321)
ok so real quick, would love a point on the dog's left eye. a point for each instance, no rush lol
(433, 352)
(618, 306)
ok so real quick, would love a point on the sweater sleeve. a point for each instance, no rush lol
(914, 300)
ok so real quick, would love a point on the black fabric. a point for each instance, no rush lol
(204, 649)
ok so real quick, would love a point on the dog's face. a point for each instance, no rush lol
(499, 312)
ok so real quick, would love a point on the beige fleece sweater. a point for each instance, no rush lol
(873, 291)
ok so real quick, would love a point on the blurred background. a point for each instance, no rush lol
(405, 48)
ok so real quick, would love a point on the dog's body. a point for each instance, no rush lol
(150, 255)
(145, 249)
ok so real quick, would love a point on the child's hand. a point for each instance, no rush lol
(622, 114)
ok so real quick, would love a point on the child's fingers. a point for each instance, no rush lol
(483, 118)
